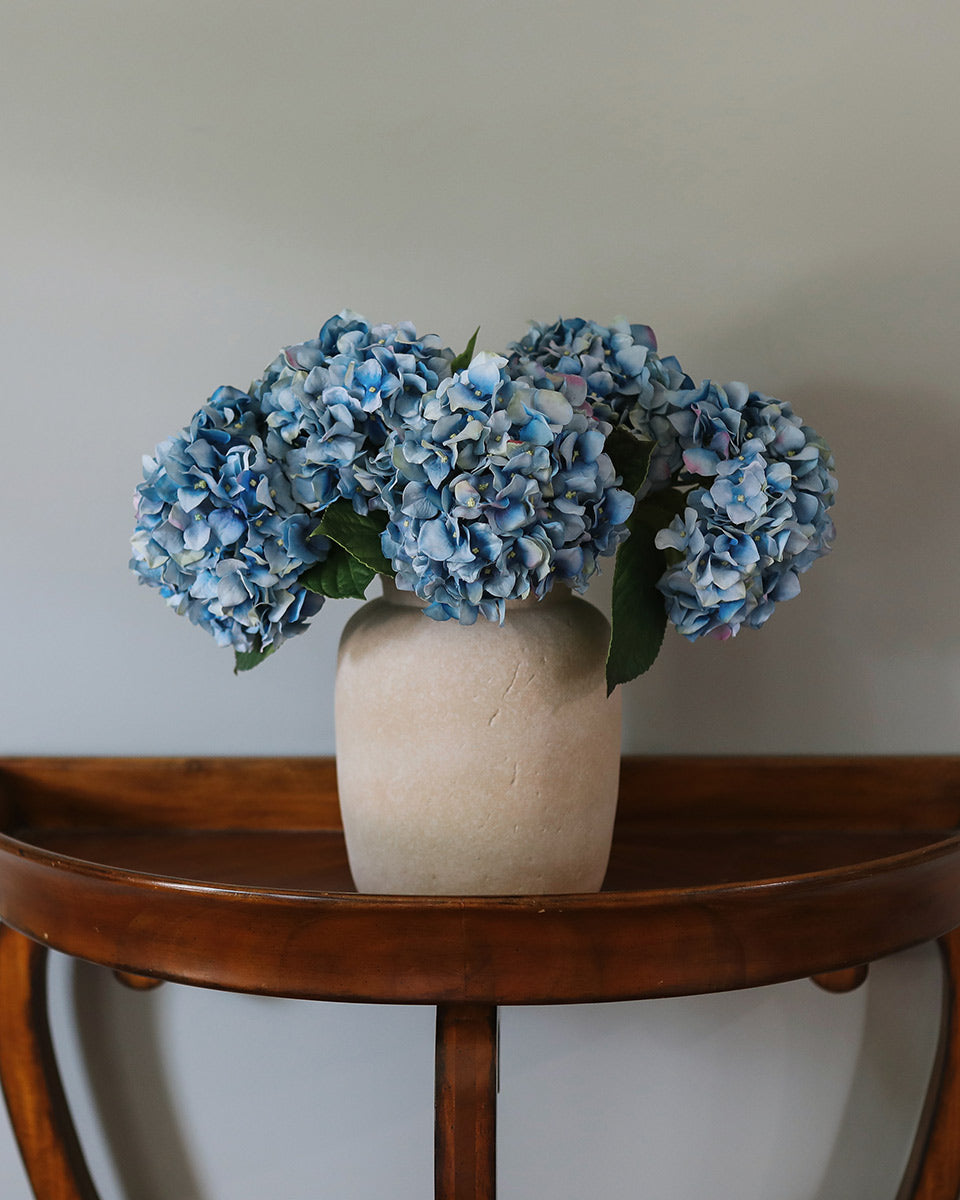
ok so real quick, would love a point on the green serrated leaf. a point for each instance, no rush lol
(463, 359)
(358, 534)
(639, 616)
(340, 576)
(246, 660)
(630, 457)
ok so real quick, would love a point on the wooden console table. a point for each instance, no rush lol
(231, 873)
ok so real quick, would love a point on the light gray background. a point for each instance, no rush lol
(774, 187)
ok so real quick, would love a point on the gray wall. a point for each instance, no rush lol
(773, 187)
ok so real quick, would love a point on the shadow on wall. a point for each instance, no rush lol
(867, 658)
(128, 1080)
(151, 1152)
(888, 1089)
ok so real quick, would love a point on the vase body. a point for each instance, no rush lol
(476, 759)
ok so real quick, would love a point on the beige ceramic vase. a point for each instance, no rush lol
(477, 759)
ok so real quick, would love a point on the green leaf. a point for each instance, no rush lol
(463, 360)
(639, 616)
(656, 511)
(630, 457)
(358, 534)
(340, 576)
(246, 660)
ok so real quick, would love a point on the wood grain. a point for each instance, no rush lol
(465, 1150)
(840, 982)
(792, 792)
(170, 793)
(31, 1082)
(232, 873)
(170, 869)
(763, 791)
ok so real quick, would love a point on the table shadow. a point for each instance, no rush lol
(120, 1050)
(890, 1080)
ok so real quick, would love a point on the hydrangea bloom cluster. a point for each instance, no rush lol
(334, 405)
(759, 521)
(228, 514)
(219, 531)
(492, 488)
(478, 479)
(743, 540)
(616, 369)
(501, 488)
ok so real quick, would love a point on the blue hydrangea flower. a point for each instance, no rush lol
(494, 479)
(756, 515)
(502, 488)
(219, 532)
(331, 403)
(616, 370)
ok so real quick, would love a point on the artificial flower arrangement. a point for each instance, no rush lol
(479, 478)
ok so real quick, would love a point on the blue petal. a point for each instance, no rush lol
(231, 591)
(227, 525)
(435, 541)
(553, 406)
(484, 372)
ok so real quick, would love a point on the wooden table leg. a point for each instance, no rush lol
(31, 1082)
(933, 1172)
(466, 1102)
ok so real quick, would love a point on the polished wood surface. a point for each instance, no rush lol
(765, 791)
(465, 1151)
(725, 873)
(847, 980)
(34, 1094)
(211, 872)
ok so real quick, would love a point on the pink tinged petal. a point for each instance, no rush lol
(789, 437)
(699, 461)
(645, 335)
(575, 389)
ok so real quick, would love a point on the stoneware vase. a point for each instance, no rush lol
(477, 759)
